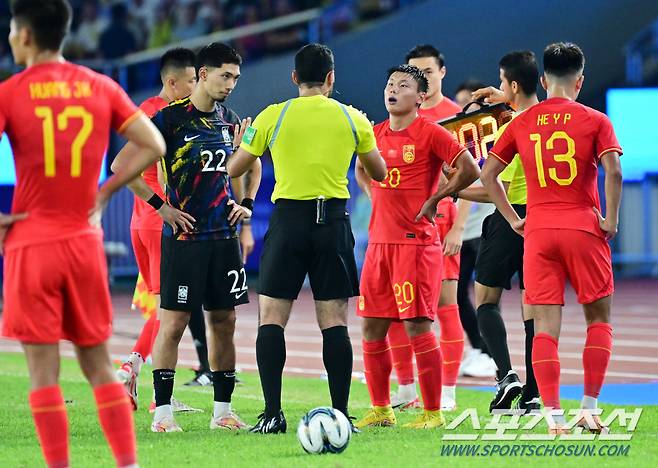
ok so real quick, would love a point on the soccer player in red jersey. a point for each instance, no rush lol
(451, 222)
(178, 75)
(560, 143)
(401, 277)
(58, 117)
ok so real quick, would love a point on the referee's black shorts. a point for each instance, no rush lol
(501, 252)
(295, 245)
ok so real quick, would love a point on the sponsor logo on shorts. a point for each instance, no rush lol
(409, 153)
(182, 294)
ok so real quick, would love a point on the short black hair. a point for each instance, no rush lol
(178, 58)
(563, 59)
(426, 50)
(217, 54)
(413, 71)
(49, 20)
(521, 66)
(312, 63)
(470, 85)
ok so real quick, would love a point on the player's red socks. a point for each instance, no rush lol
(546, 364)
(144, 343)
(378, 365)
(596, 356)
(402, 353)
(428, 360)
(116, 418)
(452, 342)
(49, 414)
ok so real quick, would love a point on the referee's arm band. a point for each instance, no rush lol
(155, 201)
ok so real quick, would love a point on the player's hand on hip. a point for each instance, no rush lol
(428, 211)
(246, 242)
(490, 95)
(96, 213)
(237, 213)
(519, 226)
(608, 228)
(452, 244)
(6, 220)
(238, 131)
(176, 218)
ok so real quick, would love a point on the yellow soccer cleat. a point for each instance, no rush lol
(427, 420)
(378, 416)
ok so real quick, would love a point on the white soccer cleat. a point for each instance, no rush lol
(180, 407)
(405, 398)
(448, 399)
(478, 365)
(167, 424)
(125, 371)
(230, 421)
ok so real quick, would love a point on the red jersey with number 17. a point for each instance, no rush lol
(414, 157)
(560, 143)
(144, 216)
(58, 118)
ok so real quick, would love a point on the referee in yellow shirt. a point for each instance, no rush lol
(312, 139)
(500, 254)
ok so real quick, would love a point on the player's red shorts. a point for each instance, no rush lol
(553, 255)
(400, 281)
(56, 291)
(446, 216)
(146, 244)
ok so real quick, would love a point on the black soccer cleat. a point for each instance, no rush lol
(273, 425)
(201, 379)
(507, 390)
(353, 428)
(530, 407)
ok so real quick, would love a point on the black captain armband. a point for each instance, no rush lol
(155, 201)
(248, 203)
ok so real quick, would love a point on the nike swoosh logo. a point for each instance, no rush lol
(167, 378)
(186, 138)
(402, 310)
(238, 296)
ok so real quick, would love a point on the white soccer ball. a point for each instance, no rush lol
(324, 430)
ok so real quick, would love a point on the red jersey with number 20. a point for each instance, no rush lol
(414, 157)
(560, 143)
(58, 118)
(144, 215)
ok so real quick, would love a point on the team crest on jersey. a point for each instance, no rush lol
(226, 135)
(409, 153)
(362, 303)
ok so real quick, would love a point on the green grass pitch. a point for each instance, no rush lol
(198, 446)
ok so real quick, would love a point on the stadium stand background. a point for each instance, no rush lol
(368, 36)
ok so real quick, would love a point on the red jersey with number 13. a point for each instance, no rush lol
(58, 118)
(560, 143)
(414, 157)
(144, 216)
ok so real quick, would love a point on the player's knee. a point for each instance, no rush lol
(415, 327)
(373, 330)
(222, 323)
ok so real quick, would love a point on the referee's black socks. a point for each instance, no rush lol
(271, 357)
(494, 335)
(530, 389)
(163, 384)
(223, 385)
(337, 357)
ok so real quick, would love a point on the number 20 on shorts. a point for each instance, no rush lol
(404, 295)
